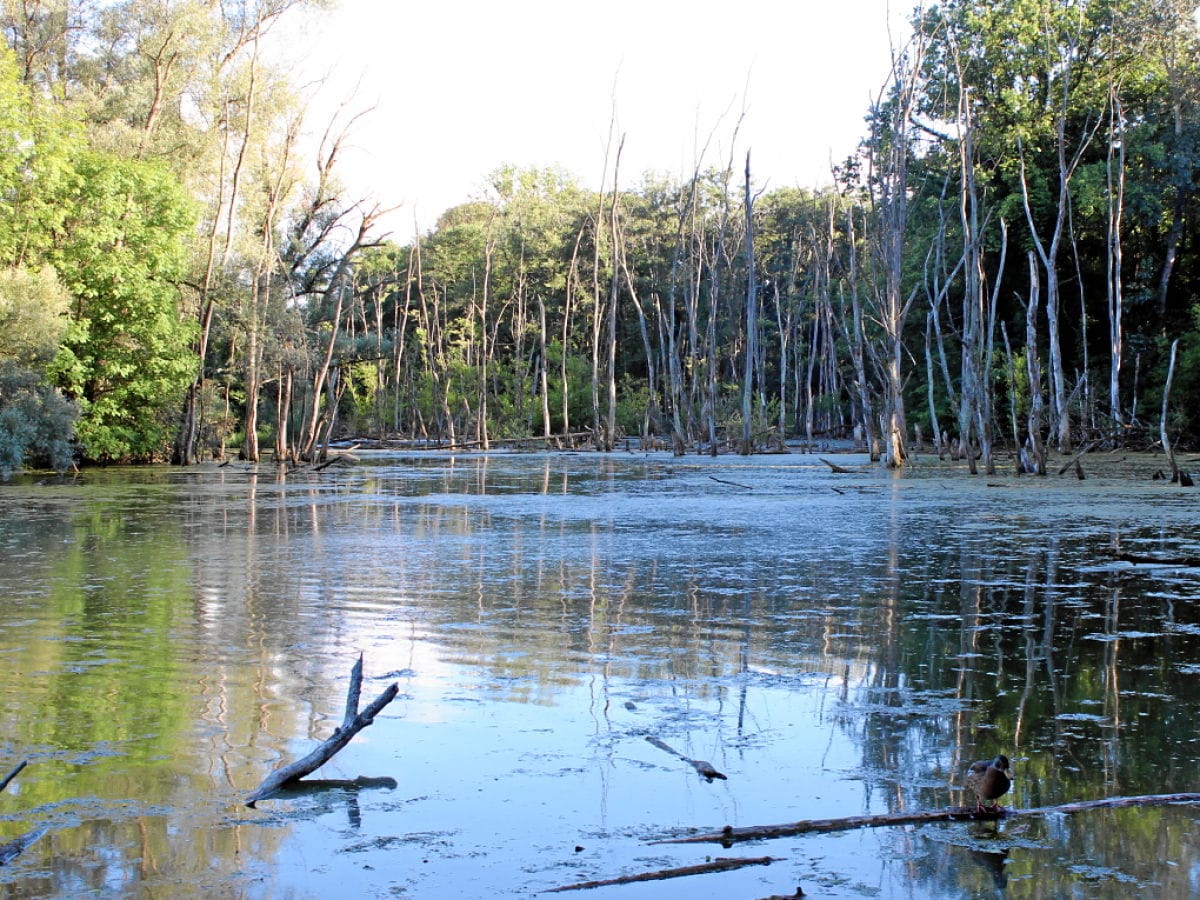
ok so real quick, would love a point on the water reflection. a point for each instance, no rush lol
(836, 645)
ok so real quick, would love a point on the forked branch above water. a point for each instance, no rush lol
(352, 723)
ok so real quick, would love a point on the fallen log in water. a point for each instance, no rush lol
(729, 835)
(352, 723)
(720, 864)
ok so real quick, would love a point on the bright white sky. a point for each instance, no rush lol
(462, 87)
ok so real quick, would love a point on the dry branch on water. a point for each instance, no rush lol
(730, 835)
(21, 843)
(730, 483)
(706, 769)
(352, 723)
(837, 470)
(1138, 559)
(721, 864)
(13, 774)
(1074, 460)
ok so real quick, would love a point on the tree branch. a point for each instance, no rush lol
(729, 835)
(352, 723)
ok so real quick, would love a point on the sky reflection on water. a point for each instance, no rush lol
(835, 644)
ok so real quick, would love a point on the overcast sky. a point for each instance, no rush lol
(461, 87)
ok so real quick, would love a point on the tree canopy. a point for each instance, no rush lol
(1006, 260)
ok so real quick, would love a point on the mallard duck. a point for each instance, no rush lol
(989, 779)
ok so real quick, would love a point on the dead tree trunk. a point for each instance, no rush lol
(1037, 449)
(1162, 422)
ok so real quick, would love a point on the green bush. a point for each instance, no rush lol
(36, 422)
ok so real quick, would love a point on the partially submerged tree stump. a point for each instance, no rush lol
(352, 723)
(729, 835)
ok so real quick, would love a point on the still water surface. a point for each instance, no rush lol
(835, 644)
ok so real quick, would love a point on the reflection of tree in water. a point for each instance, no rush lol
(1046, 670)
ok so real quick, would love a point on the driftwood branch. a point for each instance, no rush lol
(18, 845)
(13, 774)
(837, 470)
(730, 483)
(721, 864)
(1190, 562)
(352, 723)
(706, 769)
(1074, 460)
(730, 835)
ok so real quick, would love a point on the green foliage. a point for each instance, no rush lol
(33, 314)
(1185, 392)
(36, 421)
(127, 356)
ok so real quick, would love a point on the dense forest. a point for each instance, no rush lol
(1008, 260)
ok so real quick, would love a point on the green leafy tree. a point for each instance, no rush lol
(126, 358)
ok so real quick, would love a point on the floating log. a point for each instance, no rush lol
(705, 769)
(352, 723)
(720, 864)
(729, 835)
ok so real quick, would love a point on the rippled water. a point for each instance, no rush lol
(835, 644)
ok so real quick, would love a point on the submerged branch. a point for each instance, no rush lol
(730, 835)
(706, 769)
(353, 722)
(721, 864)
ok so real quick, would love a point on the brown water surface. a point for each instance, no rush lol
(835, 644)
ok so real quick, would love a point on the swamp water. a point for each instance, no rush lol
(836, 644)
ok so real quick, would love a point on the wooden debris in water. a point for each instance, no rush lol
(730, 483)
(13, 774)
(352, 723)
(729, 835)
(706, 769)
(720, 864)
(837, 470)
(1138, 559)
